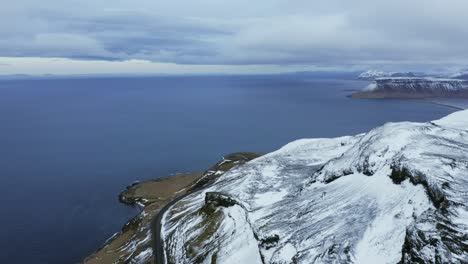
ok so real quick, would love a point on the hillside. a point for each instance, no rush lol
(396, 193)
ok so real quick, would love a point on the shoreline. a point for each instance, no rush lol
(135, 240)
(446, 105)
(429, 100)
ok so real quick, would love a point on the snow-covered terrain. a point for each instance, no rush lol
(460, 75)
(373, 74)
(414, 87)
(396, 193)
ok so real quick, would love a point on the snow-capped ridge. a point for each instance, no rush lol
(394, 194)
(457, 120)
(414, 87)
(373, 74)
(460, 75)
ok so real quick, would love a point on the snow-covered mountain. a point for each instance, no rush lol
(460, 75)
(405, 87)
(396, 193)
(373, 74)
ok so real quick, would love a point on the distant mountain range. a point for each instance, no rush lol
(460, 75)
(414, 87)
(373, 74)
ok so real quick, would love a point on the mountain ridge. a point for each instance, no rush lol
(373, 74)
(394, 194)
(414, 87)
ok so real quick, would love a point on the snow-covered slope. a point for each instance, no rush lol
(405, 87)
(460, 75)
(373, 74)
(397, 193)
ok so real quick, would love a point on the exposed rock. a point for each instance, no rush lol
(434, 238)
(219, 199)
(269, 242)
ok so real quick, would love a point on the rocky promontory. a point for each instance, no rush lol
(133, 244)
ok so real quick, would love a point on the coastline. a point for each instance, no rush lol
(446, 105)
(428, 99)
(138, 240)
(135, 241)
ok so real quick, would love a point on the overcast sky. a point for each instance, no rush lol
(96, 36)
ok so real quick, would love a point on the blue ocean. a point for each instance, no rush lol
(68, 146)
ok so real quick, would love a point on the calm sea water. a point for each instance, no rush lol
(69, 146)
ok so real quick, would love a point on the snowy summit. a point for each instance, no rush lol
(373, 74)
(396, 193)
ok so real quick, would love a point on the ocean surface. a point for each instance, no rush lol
(69, 146)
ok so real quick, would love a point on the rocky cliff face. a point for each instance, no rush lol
(397, 194)
(414, 88)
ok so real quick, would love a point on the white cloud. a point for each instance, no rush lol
(332, 33)
(64, 66)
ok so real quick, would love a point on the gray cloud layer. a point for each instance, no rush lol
(333, 32)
